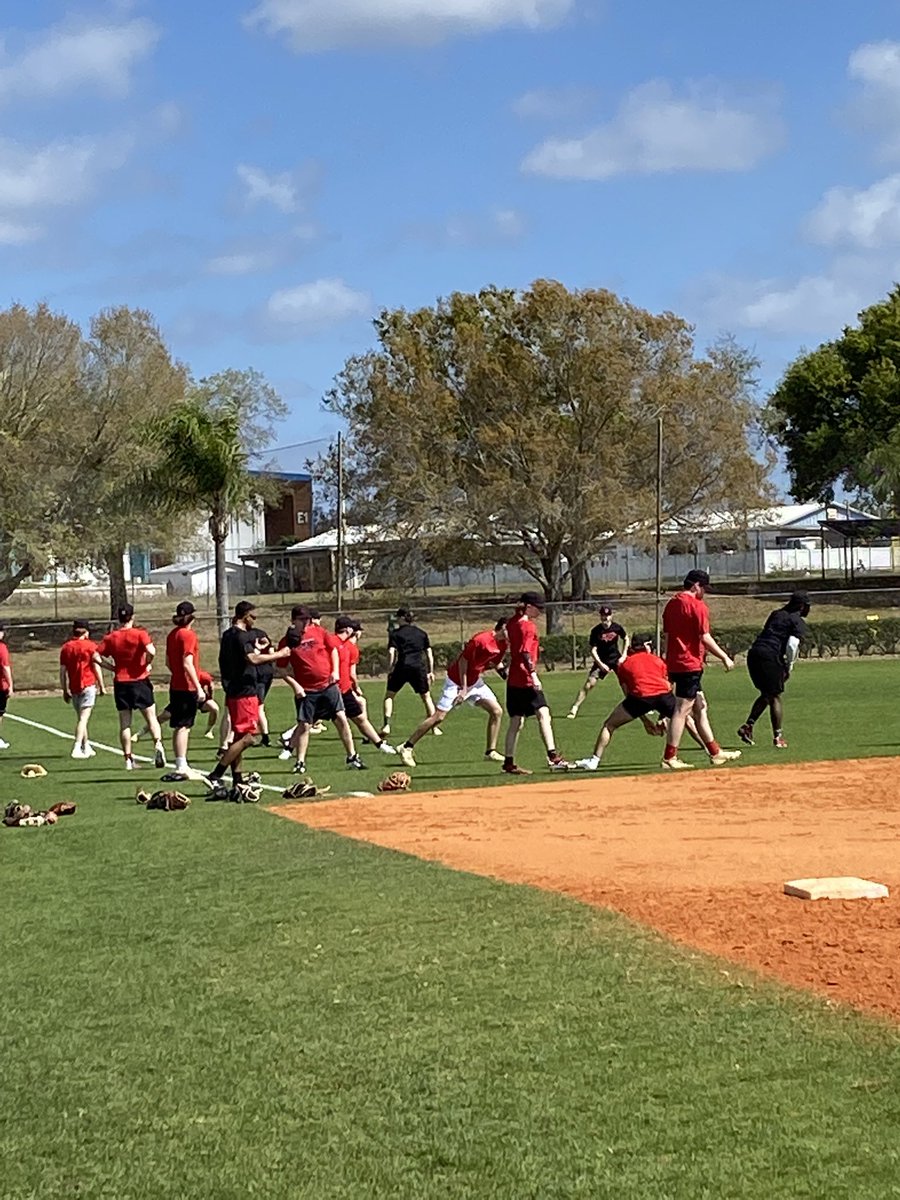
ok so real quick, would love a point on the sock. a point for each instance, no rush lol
(181, 764)
(237, 776)
(406, 745)
(551, 754)
(507, 761)
(777, 733)
(713, 748)
(671, 752)
(265, 740)
(157, 745)
(217, 772)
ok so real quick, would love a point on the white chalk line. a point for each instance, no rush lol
(269, 787)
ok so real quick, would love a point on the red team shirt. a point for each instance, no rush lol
(206, 680)
(644, 675)
(481, 653)
(523, 640)
(685, 620)
(4, 662)
(348, 657)
(311, 659)
(127, 649)
(181, 641)
(76, 656)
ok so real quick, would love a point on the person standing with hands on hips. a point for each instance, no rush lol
(688, 640)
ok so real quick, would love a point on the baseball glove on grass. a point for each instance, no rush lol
(304, 791)
(65, 808)
(397, 781)
(33, 771)
(163, 801)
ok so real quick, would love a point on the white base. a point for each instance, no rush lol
(840, 887)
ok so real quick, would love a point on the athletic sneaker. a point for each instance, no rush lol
(4, 745)
(588, 764)
(406, 756)
(159, 757)
(572, 714)
(779, 743)
(78, 752)
(218, 788)
(676, 764)
(745, 733)
(513, 769)
(386, 749)
(723, 757)
(384, 730)
(130, 764)
(355, 763)
(437, 731)
(299, 768)
(317, 727)
(286, 754)
(493, 756)
(210, 733)
(557, 762)
(89, 751)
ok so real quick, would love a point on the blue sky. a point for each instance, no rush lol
(264, 175)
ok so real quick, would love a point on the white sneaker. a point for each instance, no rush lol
(386, 749)
(318, 727)
(384, 730)
(89, 751)
(676, 764)
(437, 731)
(406, 756)
(78, 752)
(285, 755)
(130, 764)
(493, 756)
(588, 764)
(211, 734)
(723, 757)
(570, 716)
(3, 744)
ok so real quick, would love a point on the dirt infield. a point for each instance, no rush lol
(700, 857)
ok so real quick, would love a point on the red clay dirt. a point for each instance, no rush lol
(701, 857)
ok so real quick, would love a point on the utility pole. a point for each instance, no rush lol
(659, 470)
(339, 582)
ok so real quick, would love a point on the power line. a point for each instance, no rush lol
(291, 446)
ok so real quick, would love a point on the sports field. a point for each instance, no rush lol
(226, 1003)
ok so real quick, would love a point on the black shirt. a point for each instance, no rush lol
(238, 673)
(605, 640)
(780, 625)
(410, 642)
(263, 670)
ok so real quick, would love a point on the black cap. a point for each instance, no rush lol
(126, 612)
(535, 599)
(606, 610)
(358, 627)
(642, 639)
(242, 608)
(185, 609)
(404, 614)
(301, 612)
(697, 576)
(342, 623)
(314, 614)
(78, 625)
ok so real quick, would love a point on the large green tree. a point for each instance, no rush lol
(837, 408)
(521, 426)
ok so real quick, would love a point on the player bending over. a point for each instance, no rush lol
(466, 685)
(606, 653)
(410, 661)
(524, 697)
(347, 632)
(770, 661)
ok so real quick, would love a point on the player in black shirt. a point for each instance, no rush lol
(607, 641)
(770, 660)
(411, 661)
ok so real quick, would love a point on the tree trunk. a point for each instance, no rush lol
(553, 592)
(11, 581)
(218, 528)
(580, 583)
(114, 558)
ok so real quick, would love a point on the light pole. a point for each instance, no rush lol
(339, 583)
(659, 469)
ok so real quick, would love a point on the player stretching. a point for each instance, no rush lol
(466, 685)
(410, 661)
(606, 653)
(239, 656)
(686, 626)
(770, 661)
(130, 651)
(6, 680)
(186, 692)
(80, 679)
(645, 682)
(315, 665)
(524, 697)
(346, 630)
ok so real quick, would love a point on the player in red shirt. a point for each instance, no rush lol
(186, 692)
(524, 697)
(347, 632)
(316, 669)
(465, 684)
(80, 679)
(6, 679)
(688, 639)
(130, 653)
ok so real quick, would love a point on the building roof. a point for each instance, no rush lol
(778, 516)
(286, 476)
(191, 568)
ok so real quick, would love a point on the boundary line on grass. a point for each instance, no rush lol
(269, 787)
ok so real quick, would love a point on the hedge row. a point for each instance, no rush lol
(827, 639)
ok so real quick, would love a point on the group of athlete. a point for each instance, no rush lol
(320, 667)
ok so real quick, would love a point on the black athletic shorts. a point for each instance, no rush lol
(262, 687)
(182, 709)
(687, 684)
(133, 696)
(319, 706)
(639, 706)
(416, 677)
(4, 700)
(600, 673)
(352, 706)
(524, 701)
(767, 672)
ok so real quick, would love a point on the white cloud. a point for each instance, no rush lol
(65, 60)
(59, 174)
(15, 233)
(286, 191)
(866, 217)
(316, 305)
(241, 263)
(554, 104)
(657, 131)
(311, 25)
(876, 64)
(876, 67)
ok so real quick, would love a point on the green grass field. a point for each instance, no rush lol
(219, 1003)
